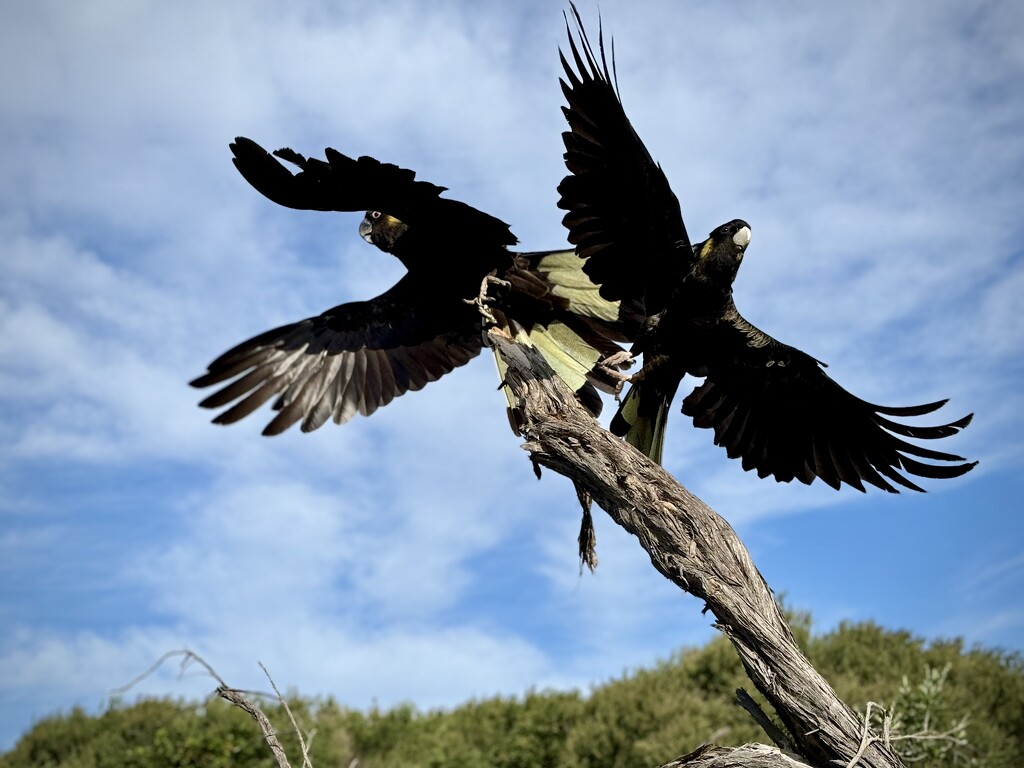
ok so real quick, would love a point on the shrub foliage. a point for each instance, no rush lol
(644, 718)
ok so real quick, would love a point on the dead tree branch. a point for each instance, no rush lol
(693, 546)
(746, 756)
(234, 696)
(266, 727)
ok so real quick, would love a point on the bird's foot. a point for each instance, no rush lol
(609, 372)
(607, 376)
(483, 298)
(621, 359)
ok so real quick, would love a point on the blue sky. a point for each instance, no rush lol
(875, 150)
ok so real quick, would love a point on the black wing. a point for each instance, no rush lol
(342, 183)
(622, 215)
(773, 406)
(352, 359)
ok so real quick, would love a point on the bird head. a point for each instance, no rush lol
(382, 230)
(719, 257)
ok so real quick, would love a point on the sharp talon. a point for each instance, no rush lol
(620, 359)
(481, 300)
(614, 374)
(610, 367)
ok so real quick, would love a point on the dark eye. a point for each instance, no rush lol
(375, 214)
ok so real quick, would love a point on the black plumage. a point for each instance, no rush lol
(770, 405)
(359, 356)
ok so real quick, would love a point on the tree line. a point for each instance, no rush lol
(969, 700)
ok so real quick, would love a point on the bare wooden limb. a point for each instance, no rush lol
(746, 756)
(266, 728)
(693, 546)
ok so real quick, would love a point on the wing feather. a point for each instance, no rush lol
(621, 212)
(352, 359)
(776, 409)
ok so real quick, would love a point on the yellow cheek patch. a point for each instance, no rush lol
(388, 223)
(706, 248)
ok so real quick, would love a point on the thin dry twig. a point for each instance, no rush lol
(761, 718)
(888, 738)
(295, 725)
(867, 738)
(235, 696)
(188, 657)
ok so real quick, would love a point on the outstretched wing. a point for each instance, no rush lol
(342, 183)
(352, 359)
(773, 407)
(622, 215)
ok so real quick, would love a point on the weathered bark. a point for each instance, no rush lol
(690, 544)
(746, 756)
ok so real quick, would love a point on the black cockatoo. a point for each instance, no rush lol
(359, 356)
(770, 405)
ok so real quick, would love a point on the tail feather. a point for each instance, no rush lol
(643, 415)
(571, 357)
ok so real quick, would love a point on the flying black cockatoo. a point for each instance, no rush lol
(359, 356)
(770, 405)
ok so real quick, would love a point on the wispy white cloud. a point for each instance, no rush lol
(993, 577)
